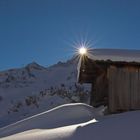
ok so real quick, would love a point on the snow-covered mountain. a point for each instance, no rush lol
(33, 89)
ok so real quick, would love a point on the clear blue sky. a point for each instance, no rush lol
(44, 30)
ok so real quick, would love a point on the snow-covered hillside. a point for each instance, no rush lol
(76, 122)
(33, 89)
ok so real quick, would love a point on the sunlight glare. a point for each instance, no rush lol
(82, 50)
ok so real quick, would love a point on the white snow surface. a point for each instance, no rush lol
(63, 115)
(123, 126)
(115, 55)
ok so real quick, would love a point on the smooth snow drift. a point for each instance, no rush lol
(123, 126)
(60, 116)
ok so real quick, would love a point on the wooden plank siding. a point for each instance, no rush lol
(99, 94)
(124, 88)
(135, 92)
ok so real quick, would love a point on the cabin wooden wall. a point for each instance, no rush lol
(99, 91)
(124, 88)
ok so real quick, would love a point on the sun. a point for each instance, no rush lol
(82, 50)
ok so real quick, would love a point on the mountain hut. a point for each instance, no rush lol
(115, 78)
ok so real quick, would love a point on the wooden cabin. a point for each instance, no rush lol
(115, 78)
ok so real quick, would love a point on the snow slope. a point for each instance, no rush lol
(63, 115)
(33, 89)
(123, 126)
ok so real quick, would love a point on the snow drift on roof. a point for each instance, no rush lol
(115, 55)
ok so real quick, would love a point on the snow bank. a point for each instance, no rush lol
(124, 126)
(60, 116)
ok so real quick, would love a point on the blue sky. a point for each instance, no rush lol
(45, 30)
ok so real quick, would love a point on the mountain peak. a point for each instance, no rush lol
(34, 65)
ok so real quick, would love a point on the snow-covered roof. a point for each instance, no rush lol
(115, 55)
